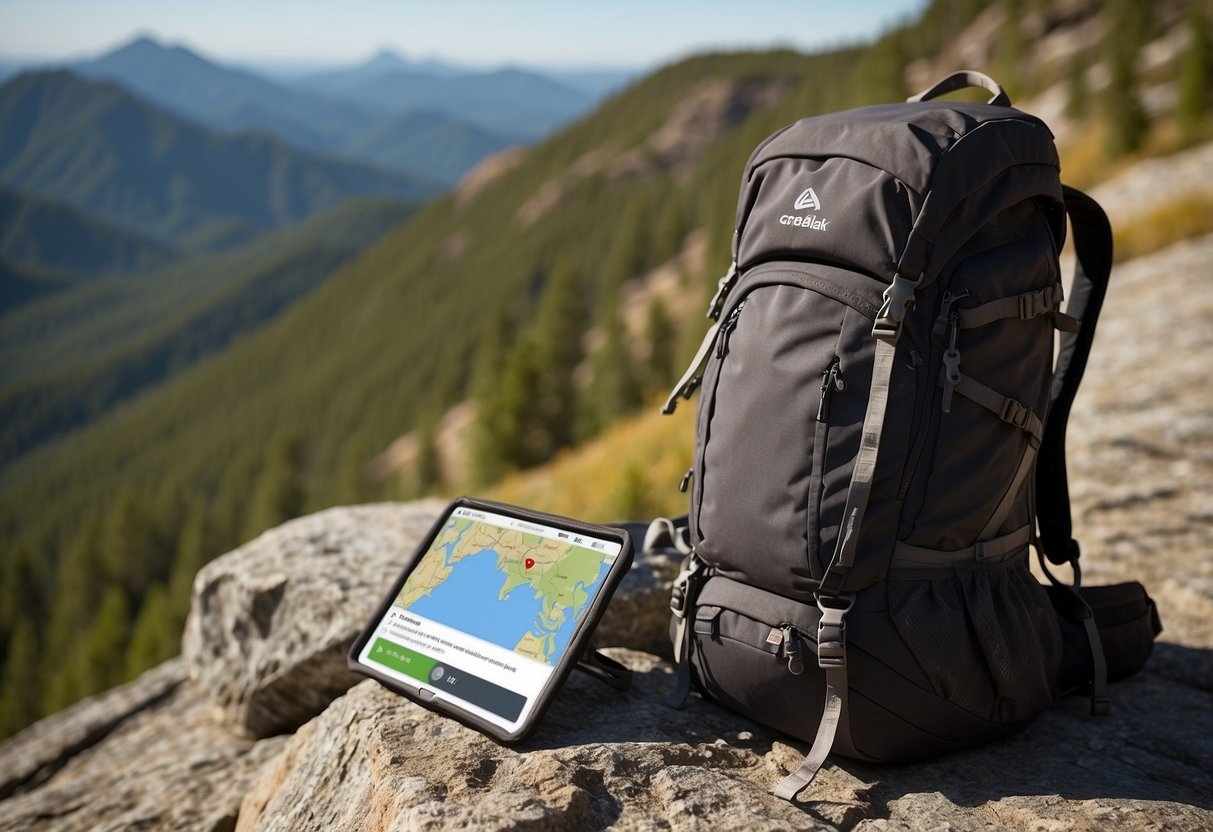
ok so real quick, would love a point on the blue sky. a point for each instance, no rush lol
(479, 32)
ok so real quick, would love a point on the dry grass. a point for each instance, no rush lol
(631, 472)
(1188, 215)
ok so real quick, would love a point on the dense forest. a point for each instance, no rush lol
(485, 294)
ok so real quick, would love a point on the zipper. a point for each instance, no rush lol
(686, 480)
(831, 380)
(726, 329)
(792, 649)
(920, 438)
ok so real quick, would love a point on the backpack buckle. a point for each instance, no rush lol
(1015, 413)
(681, 593)
(898, 301)
(832, 631)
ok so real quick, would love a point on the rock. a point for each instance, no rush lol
(164, 762)
(271, 622)
(601, 758)
(33, 755)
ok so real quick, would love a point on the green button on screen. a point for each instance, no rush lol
(402, 659)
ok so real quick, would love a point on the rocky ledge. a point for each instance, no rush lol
(260, 726)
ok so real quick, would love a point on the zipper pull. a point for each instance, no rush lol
(791, 649)
(945, 311)
(730, 324)
(951, 365)
(831, 380)
(686, 480)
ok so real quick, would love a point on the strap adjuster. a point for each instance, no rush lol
(832, 632)
(680, 593)
(1015, 413)
(898, 301)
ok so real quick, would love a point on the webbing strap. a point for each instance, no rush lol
(832, 658)
(1004, 407)
(836, 692)
(1008, 500)
(905, 555)
(1025, 307)
(1101, 703)
(694, 374)
(865, 467)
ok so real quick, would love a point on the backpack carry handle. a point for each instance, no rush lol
(961, 80)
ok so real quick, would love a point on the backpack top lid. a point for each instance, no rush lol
(892, 188)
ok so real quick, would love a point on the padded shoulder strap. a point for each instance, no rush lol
(1093, 247)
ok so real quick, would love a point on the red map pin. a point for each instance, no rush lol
(529, 562)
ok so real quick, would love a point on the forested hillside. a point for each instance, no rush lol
(505, 292)
(96, 148)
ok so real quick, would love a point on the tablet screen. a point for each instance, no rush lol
(488, 611)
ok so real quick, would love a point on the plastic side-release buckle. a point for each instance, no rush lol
(681, 594)
(723, 287)
(898, 301)
(832, 631)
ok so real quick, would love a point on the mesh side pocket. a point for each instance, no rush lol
(987, 639)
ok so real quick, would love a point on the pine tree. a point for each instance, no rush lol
(1076, 86)
(278, 495)
(662, 338)
(156, 635)
(488, 372)
(427, 467)
(1195, 75)
(1127, 122)
(19, 684)
(133, 553)
(617, 387)
(105, 643)
(630, 242)
(560, 325)
(195, 547)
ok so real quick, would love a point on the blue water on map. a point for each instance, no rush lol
(468, 600)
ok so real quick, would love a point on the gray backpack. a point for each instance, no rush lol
(881, 436)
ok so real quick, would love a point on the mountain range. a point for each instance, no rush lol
(97, 148)
(353, 112)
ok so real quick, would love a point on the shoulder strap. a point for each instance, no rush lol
(1093, 247)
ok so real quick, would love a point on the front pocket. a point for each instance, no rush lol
(756, 653)
(986, 637)
(762, 453)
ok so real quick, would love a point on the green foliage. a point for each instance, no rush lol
(630, 499)
(133, 550)
(1127, 122)
(97, 148)
(662, 341)
(110, 342)
(1077, 99)
(617, 381)
(278, 495)
(19, 696)
(1195, 74)
(153, 638)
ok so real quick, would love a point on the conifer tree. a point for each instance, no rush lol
(105, 643)
(560, 325)
(195, 547)
(616, 387)
(488, 375)
(427, 467)
(19, 683)
(662, 339)
(1127, 122)
(155, 636)
(1076, 86)
(278, 495)
(133, 552)
(1195, 74)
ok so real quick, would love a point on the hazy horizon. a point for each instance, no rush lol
(627, 34)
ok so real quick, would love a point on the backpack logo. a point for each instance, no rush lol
(808, 201)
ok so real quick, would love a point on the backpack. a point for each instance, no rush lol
(880, 437)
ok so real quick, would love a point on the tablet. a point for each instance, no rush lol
(492, 612)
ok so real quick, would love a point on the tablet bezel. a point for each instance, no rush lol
(577, 645)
